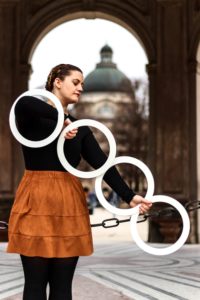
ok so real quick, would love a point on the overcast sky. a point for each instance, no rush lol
(79, 42)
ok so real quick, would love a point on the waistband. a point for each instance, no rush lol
(47, 174)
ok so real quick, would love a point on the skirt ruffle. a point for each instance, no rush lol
(49, 217)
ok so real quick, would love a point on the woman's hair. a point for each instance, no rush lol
(59, 71)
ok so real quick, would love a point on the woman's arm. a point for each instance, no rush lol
(29, 107)
(94, 155)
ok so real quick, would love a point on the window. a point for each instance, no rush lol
(106, 111)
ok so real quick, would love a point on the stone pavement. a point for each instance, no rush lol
(118, 269)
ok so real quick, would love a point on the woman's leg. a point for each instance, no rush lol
(36, 277)
(60, 277)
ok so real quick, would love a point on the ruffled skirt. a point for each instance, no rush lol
(49, 217)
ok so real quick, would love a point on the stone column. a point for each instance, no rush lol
(9, 15)
(198, 139)
(170, 115)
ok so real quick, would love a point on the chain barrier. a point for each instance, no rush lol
(165, 212)
(3, 225)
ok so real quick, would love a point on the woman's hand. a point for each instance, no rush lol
(72, 133)
(145, 204)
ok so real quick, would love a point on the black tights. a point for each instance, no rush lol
(39, 271)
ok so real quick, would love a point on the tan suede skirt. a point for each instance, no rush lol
(49, 217)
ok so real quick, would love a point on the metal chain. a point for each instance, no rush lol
(165, 212)
(3, 225)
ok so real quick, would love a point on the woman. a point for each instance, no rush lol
(49, 223)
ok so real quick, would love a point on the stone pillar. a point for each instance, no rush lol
(198, 139)
(170, 115)
(194, 142)
(9, 15)
(21, 85)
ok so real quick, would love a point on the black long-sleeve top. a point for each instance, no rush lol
(36, 120)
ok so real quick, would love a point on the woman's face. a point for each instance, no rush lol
(69, 89)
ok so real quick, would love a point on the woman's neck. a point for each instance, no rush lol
(64, 107)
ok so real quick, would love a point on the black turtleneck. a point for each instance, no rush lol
(36, 120)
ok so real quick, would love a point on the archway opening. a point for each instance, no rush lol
(66, 43)
(79, 41)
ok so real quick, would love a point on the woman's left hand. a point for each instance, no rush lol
(72, 133)
(145, 204)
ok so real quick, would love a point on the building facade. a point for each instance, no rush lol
(109, 98)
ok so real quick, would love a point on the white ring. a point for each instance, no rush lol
(179, 243)
(53, 135)
(107, 133)
(150, 186)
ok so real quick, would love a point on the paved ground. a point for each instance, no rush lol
(119, 270)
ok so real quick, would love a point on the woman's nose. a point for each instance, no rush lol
(80, 88)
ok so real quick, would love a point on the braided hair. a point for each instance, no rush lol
(59, 71)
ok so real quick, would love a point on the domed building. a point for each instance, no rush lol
(109, 98)
(107, 90)
(106, 77)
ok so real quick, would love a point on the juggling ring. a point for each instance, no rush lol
(149, 193)
(53, 135)
(178, 244)
(133, 211)
(102, 170)
(107, 133)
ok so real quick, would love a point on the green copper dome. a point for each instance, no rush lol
(106, 77)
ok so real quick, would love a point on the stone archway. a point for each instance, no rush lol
(35, 35)
(163, 28)
(49, 20)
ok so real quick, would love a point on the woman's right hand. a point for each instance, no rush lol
(145, 204)
(72, 133)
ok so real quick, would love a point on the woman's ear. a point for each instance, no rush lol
(57, 82)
